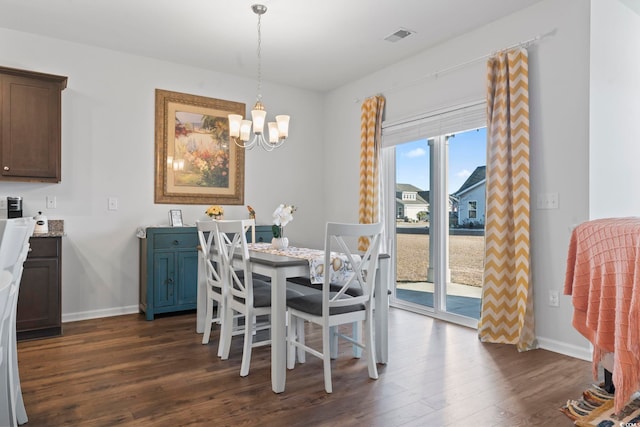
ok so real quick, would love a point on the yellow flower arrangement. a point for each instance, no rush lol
(215, 211)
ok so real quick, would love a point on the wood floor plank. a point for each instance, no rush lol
(126, 371)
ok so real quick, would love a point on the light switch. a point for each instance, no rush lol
(51, 202)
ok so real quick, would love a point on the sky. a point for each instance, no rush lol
(467, 151)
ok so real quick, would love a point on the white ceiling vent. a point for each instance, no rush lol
(399, 35)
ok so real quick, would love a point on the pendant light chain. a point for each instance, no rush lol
(259, 59)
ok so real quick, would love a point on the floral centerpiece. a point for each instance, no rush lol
(282, 216)
(215, 211)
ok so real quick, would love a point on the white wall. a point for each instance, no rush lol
(108, 150)
(559, 126)
(614, 132)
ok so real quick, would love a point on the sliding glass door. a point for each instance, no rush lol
(439, 225)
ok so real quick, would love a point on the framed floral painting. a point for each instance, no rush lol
(196, 162)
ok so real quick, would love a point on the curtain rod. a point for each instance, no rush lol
(525, 43)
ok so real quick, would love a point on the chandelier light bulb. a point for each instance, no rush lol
(234, 125)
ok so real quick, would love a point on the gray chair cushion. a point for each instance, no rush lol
(353, 290)
(256, 276)
(262, 294)
(312, 304)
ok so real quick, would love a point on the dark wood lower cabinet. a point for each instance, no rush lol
(39, 300)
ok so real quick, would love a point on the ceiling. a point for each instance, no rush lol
(318, 46)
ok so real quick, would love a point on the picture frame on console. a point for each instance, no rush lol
(175, 218)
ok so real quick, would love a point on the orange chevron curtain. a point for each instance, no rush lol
(507, 300)
(370, 148)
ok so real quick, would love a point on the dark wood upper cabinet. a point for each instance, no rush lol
(30, 125)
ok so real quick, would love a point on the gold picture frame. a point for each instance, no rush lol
(196, 163)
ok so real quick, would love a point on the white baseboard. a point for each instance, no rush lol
(584, 353)
(96, 314)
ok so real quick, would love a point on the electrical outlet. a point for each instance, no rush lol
(112, 203)
(547, 201)
(3, 202)
(554, 299)
(51, 202)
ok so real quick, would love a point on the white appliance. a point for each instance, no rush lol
(42, 224)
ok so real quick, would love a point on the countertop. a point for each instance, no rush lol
(56, 229)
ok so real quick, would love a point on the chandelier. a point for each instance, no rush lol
(240, 130)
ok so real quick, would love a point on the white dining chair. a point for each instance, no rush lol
(15, 235)
(245, 294)
(14, 248)
(215, 297)
(6, 294)
(335, 306)
(17, 414)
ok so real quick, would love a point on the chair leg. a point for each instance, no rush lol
(333, 335)
(269, 330)
(302, 354)
(6, 418)
(326, 358)
(221, 313)
(357, 336)
(17, 409)
(226, 332)
(255, 321)
(291, 338)
(249, 329)
(223, 347)
(21, 412)
(18, 412)
(207, 322)
(371, 354)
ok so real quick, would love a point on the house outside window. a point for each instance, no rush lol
(471, 197)
(410, 201)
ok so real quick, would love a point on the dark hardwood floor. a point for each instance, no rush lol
(128, 371)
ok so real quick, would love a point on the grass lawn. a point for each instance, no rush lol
(466, 255)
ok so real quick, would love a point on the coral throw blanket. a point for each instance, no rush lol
(603, 277)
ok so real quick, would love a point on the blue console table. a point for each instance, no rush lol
(168, 270)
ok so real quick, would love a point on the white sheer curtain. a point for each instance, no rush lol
(388, 200)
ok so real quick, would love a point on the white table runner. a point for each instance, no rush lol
(340, 269)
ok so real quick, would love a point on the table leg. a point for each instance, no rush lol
(381, 315)
(278, 331)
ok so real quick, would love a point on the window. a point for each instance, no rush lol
(473, 209)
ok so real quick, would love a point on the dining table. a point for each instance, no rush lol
(279, 268)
